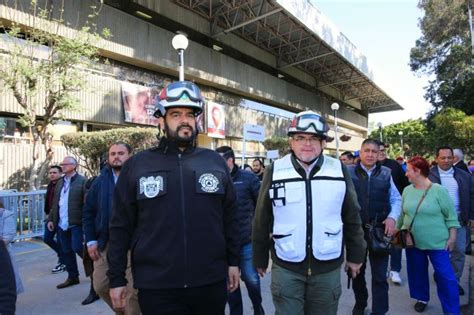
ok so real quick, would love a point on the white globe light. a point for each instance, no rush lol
(180, 42)
(400, 133)
(335, 106)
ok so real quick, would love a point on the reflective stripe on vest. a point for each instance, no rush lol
(288, 194)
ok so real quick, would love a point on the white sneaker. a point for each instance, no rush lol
(395, 277)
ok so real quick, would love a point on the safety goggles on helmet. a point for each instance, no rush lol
(309, 122)
(181, 90)
(179, 94)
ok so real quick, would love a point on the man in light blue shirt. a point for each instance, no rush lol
(380, 203)
(66, 213)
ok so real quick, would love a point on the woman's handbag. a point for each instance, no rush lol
(404, 238)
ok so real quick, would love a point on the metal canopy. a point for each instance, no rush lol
(267, 24)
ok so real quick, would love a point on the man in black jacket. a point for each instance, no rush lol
(54, 174)
(246, 186)
(174, 208)
(7, 282)
(96, 217)
(401, 181)
(460, 186)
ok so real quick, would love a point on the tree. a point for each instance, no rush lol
(454, 128)
(277, 143)
(42, 69)
(444, 52)
(415, 138)
(90, 147)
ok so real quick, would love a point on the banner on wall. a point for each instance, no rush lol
(139, 103)
(215, 120)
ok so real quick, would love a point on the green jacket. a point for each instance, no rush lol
(263, 226)
(77, 193)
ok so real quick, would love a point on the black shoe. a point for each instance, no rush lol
(69, 282)
(461, 290)
(420, 306)
(91, 298)
(358, 309)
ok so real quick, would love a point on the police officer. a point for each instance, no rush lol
(174, 209)
(306, 210)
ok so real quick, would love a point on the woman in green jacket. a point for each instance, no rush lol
(434, 226)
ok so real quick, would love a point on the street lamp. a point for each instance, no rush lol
(400, 133)
(335, 108)
(380, 131)
(180, 43)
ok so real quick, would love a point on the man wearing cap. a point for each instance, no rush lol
(174, 209)
(307, 210)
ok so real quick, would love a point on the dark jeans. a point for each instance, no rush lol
(71, 243)
(396, 259)
(48, 239)
(378, 265)
(252, 282)
(205, 300)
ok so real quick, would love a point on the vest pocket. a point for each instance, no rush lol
(284, 237)
(328, 241)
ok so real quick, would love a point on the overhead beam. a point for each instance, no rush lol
(233, 28)
(306, 60)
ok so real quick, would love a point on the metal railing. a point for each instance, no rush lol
(29, 210)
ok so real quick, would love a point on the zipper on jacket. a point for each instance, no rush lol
(309, 223)
(184, 220)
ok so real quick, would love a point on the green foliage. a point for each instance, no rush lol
(444, 52)
(421, 137)
(277, 143)
(89, 147)
(44, 71)
(414, 138)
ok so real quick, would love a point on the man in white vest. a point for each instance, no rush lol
(306, 212)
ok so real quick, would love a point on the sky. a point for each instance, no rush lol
(384, 31)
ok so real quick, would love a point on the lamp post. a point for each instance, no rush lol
(380, 131)
(335, 108)
(400, 133)
(180, 43)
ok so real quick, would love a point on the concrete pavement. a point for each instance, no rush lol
(35, 261)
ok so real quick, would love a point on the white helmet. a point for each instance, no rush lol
(309, 122)
(179, 94)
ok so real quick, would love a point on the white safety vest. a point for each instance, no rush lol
(288, 193)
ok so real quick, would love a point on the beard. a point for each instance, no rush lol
(181, 141)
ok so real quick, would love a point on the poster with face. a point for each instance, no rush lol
(139, 103)
(215, 120)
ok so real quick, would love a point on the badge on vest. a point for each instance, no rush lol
(209, 182)
(277, 194)
(151, 186)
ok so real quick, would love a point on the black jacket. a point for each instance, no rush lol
(466, 192)
(98, 207)
(246, 186)
(7, 282)
(175, 211)
(398, 175)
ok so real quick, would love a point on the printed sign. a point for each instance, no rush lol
(254, 132)
(215, 120)
(139, 103)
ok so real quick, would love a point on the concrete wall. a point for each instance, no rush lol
(142, 44)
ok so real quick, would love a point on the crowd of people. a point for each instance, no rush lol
(173, 229)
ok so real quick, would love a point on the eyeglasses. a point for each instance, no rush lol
(303, 140)
(304, 122)
(64, 164)
(179, 90)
